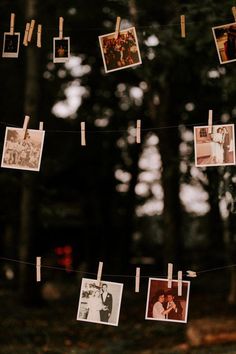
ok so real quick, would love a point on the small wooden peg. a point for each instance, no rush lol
(180, 277)
(40, 125)
(191, 274)
(210, 115)
(83, 140)
(12, 23)
(182, 25)
(137, 280)
(138, 131)
(25, 125)
(234, 12)
(99, 273)
(39, 36)
(61, 20)
(118, 20)
(31, 29)
(25, 41)
(170, 275)
(38, 269)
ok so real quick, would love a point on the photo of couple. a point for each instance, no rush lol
(225, 40)
(214, 145)
(163, 304)
(99, 303)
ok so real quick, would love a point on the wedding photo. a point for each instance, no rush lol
(100, 303)
(225, 40)
(20, 153)
(61, 49)
(121, 52)
(11, 43)
(214, 145)
(164, 304)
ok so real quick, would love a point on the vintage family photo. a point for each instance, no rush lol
(11, 44)
(61, 50)
(121, 52)
(164, 304)
(100, 303)
(20, 153)
(225, 40)
(215, 145)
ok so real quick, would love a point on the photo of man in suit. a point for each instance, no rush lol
(105, 313)
(177, 311)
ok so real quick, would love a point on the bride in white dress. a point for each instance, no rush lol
(94, 306)
(218, 150)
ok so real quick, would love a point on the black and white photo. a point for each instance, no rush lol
(11, 43)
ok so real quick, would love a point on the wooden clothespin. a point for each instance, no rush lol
(25, 125)
(182, 26)
(38, 269)
(210, 115)
(99, 273)
(27, 27)
(191, 274)
(234, 12)
(31, 29)
(180, 277)
(117, 31)
(137, 280)
(12, 23)
(61, 20)
(138, 131)
(83, 140)
(39, 36)
(40, 125)
(170, 275)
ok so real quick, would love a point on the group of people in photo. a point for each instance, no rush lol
(165, 306)
(120, 51)
(220, 146)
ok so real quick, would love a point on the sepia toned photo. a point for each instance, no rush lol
(100, 303)
(225, 40)
(11, 43)
(61, 50)
(214, 145)
(20, 153)
(121, 52)
(164, 304)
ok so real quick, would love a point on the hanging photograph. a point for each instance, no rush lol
(20, 153)
(100, 303)
(121, 52)
(225, 40)
(164, 304)
(214, 145)
(61, 50)
(11, 44)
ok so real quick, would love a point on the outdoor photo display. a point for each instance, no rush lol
(121, 52)
(225, 40)
(11, 43)
(61, 50)
(164, 304)
(20, 153)
(214, 145)
(100, 303)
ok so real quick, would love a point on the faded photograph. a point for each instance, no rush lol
(11, 44)
(61, 50)
(225, 40)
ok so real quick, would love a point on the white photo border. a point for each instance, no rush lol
(216, 44)
(166, 319)
(9, 54)
(61, 59)
(113, 34)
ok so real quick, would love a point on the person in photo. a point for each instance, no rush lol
(176, 311)
(218, 151)
(230, 44)
(158, 310)
(226, 145)
(107, 301)
(95, 305)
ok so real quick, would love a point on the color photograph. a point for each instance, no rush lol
(225, 40)
(11, 44)
(61, 50)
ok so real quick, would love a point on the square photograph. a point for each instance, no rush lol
(100, 303)
(225, 40)
(20, 153)
(61, 50)
(121, 52)
(11, 44)
(214, 145)
(164, 304)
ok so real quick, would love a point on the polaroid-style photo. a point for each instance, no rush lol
(164, 304)
(225, 40)
(122, 52)
(214, 145)
(100, 303)
(11, 44)
(61, 50)
(20, 153)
